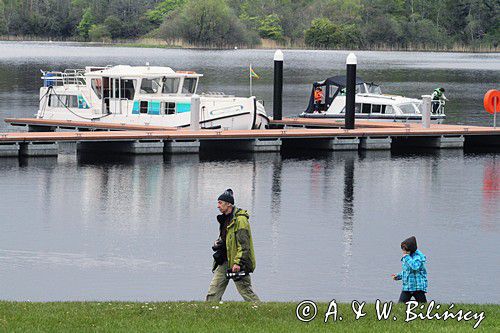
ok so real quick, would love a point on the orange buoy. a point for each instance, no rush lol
(490, 98)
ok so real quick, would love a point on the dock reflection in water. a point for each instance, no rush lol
(324, 226)
(348, 215)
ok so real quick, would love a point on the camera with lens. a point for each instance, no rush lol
(236, 276)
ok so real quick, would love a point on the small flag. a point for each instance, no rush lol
(252, 73)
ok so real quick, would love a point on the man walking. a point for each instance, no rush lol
(236, 238)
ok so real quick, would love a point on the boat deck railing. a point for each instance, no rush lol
(68, 77)
(215, 94)
(440, 107)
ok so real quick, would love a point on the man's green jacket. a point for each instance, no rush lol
(239, 242)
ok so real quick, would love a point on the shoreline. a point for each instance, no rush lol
(266, 45)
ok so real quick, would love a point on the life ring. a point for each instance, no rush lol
(489, 101)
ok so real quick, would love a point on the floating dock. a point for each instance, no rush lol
(295, 134)
(47, 125)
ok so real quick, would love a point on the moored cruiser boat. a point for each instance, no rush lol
(142, 95)
(370, 103)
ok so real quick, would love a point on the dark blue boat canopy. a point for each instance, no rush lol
(339, 81)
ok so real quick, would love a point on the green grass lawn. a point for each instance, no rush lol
(225, 317)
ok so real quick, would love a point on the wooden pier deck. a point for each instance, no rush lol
(42, 125)
(246, 134)
(335, 123)
(331, 136)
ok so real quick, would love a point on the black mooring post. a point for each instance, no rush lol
(350, 100)
(278, 86)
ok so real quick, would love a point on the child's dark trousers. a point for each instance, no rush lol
(406, 296)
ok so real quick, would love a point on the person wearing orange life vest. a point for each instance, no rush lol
(318, 99)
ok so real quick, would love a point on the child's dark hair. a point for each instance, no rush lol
(409, 244)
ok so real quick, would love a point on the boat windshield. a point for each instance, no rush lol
(368, 88)
(420, 107)
(170, 85)
(189, 85)
(408, 108)
(373, 89)
(360, 89)
(150, 86)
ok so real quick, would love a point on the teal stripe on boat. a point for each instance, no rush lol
(183, 107)
(154, 107)
(135, 108)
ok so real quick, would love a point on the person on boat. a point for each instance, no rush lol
(318, 99)
(234, 255)
(413, 274)
(438, 98)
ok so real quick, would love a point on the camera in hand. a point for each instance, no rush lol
(236, 276)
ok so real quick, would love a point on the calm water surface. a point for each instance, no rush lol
(325, 226)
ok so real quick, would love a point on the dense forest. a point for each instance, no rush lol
(363, 24)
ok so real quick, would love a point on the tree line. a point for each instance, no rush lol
(220, 23)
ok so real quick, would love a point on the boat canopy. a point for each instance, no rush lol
(339, 81)
(331, 88)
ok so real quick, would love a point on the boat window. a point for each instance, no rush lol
(383, 108)
(376, 90)
(124, 88)
(407, 108)
(373, 89)
(168, 108)
(144, 107)
(170, 85)
(333, 91)
(150, 86)
(389, 109)
(127, 89)
(420, 107)
(366, 108)
(376, 108)
(357, 108)
(360, 89)
(107, 85)
(189, 85)
(96, 87)
(61, 101)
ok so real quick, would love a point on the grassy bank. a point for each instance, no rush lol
(265, 44)
(225, 317)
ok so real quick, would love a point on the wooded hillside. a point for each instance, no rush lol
(218, 23)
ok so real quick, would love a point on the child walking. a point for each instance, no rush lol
(413, 274)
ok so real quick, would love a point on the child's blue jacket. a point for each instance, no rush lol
(414, 273)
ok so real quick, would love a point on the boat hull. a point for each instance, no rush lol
(243, 120)
(436, 119)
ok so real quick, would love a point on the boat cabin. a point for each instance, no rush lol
(333, 87)
(116, 87)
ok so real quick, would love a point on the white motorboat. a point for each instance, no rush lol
(142, 95)
(370, 103)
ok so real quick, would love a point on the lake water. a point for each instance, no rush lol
(325, 226)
